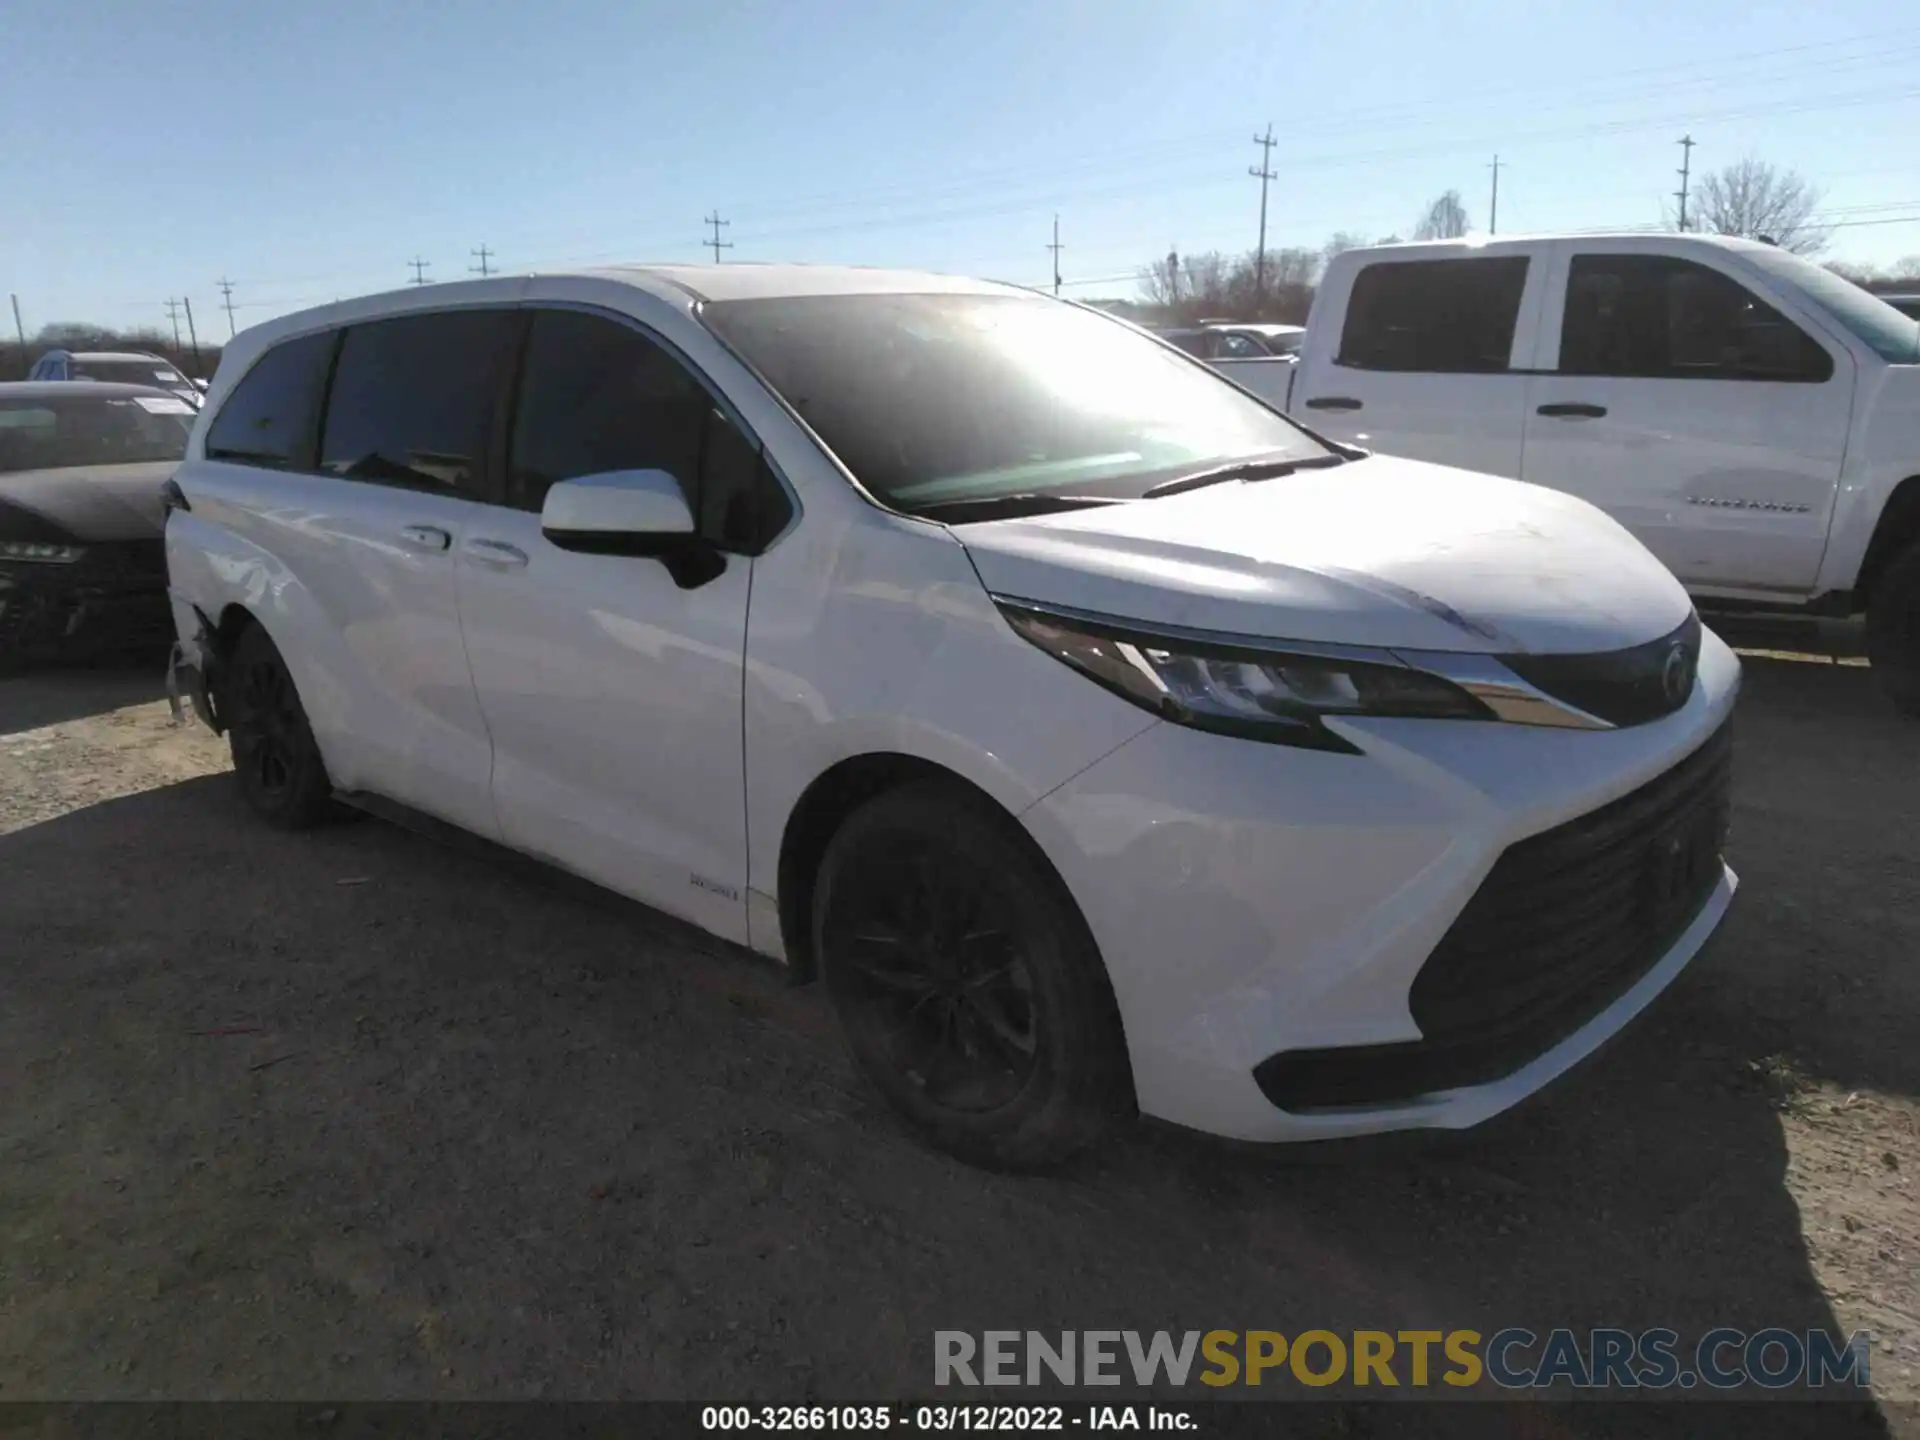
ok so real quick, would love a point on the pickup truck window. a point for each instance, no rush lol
(1434, 316)
(269, 418)
(1661, 317)
(1882, 328)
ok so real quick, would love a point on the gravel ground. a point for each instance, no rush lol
(353, 1115)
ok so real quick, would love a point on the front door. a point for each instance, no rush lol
(612, 695)
(1694, 411)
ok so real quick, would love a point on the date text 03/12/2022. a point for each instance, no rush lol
(936, 1419)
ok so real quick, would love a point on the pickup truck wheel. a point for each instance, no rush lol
(1893, 630)
(274, 755)
(967, 987)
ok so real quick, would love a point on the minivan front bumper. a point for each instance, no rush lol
(1266, 913)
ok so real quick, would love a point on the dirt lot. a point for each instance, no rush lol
(353, 1115)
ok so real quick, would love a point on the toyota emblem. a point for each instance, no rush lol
(1676, 676)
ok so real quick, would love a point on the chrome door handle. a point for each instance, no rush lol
(496, 553)
(425, 537)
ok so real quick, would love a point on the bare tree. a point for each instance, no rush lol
(1341, 241)
(1757, 200)
(1444, 219)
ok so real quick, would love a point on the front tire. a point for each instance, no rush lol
(274, 755)
(968, 989)
(1893, 631)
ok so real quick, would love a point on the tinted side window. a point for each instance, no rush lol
(1238, 347)
(1654, 316)
(1444, 316)
(596, 395)
(269, 418)
(413, 399)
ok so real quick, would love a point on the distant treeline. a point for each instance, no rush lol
(15, 362)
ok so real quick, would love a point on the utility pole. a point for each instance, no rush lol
(1263, 172)
(483, 255)
(18, 328)
(1056, 248)
(1686, 165)
(226, 297)
(716, 244)
(173, 314)
(193, 337)
(1493, 210)
(419, 270)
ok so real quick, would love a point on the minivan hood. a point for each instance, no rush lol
(93, 502)
(1384, 551)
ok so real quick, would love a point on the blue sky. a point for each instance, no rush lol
(309, 151)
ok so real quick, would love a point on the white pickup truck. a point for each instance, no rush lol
(1752, 417)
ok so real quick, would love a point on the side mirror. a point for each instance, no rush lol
(639, 513)
(203, 386)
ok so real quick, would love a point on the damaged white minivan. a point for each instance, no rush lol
(1103, 740)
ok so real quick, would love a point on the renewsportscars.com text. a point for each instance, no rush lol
(1513, 1358)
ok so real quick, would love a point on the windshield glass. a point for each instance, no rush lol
(129, 372)
(41, 434)
(930, 400)
(1889, 334)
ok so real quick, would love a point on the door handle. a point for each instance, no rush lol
(1572, 410)
(1333, 402)
(496, 553)
(425, 537)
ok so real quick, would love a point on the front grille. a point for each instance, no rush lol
(1623, 687)
(1563, 925)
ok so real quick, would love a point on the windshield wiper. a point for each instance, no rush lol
(1240, 470)
(1007, 507)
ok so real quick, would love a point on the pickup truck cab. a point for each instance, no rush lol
(1751, 416)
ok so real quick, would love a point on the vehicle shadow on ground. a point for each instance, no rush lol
(50, 695)
(348, 1113)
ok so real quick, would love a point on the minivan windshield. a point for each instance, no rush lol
(933, 401)
(42, 433)
(1876, 324)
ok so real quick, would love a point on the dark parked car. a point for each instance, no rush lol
(117, 367)
(1905, 304)
(82, 563)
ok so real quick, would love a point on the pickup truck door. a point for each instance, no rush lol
(1425, 355)
(1701, 406)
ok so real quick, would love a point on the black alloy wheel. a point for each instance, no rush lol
(274, 755)
(967, 987)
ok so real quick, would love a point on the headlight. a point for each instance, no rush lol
(1258, 694)
(40, 550)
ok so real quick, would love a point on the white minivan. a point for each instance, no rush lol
(1102, 739)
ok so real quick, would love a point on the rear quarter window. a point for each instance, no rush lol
(270, 418)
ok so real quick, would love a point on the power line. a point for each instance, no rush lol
(1493, 206)
(1686, 166)
(716, 243)
(419, 270)
(1264, 173)
(226, 299)
(1056, 247)
(483, 255)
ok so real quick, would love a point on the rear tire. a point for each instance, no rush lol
(1893, 630)
(968, 989)
(274, 756)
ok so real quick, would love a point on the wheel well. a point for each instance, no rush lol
(1899, 527)
(234, 621)
(825, 806)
